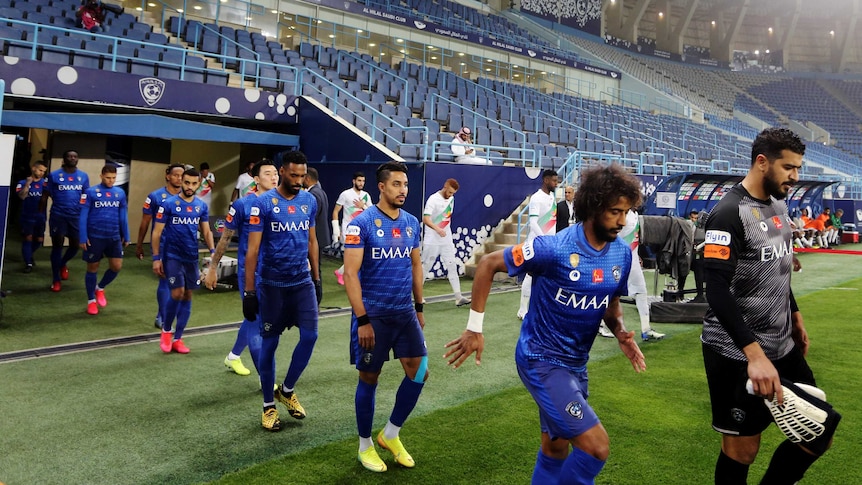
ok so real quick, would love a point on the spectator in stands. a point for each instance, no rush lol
(462, 150)
(33, 215)
(208, 182)
(566, 209)
(244, 183)
(91, 15)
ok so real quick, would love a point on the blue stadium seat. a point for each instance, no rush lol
(145, 62)
(217, 78)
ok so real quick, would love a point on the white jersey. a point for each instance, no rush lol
(245, 184)
(440, 211)
(347, 200)
(544, 207)
(205, 189)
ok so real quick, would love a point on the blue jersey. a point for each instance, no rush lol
(236, 220)
(104, 214)
(180, 235)
(153, 201)
(65, 190)
(30, 205)
(573, 285)
(386, 274)
(283, 253)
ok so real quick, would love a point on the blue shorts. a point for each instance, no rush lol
(33, 227)
(400, 333)
(284, 308)
(103, 248)
(562, 398)
(65, 226)
(182, 275)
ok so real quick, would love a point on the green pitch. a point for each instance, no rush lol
(134, 415)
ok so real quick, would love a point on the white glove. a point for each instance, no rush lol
(336, 232)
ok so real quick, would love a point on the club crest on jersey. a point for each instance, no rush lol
(304, 209)
(409, 232)
(98, 194)
(255, 211)
(755, 212)
(574, 275)
(274, 201)
(367, 357)
(575, 410)
(276, 210)
(617, 272)
(598, 275)
(574, 260)
(378, 222)
(737, 414)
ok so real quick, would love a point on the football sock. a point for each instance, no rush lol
(241, 341)
(252, 336)
(171, 309)
(405, 400)
(163, 296)
(286, 390)
(789, 463)
(232, 356)
(729, 471)
(27, 252)
(70, 253)
(365, 443)
(184, 312)
(390, 430)
(643, 311)
(107, 278)
(301, 356)
(580, 468)
(56, 261)
(454, 281)
(90, 284)
(267, 367)
(526, 290)
(364, 403)
(547, 469)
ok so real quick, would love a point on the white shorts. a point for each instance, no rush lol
(445, 250)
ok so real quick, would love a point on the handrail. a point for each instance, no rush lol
(521, 134)
(385, 72)
(375, 113)
(652, 139)
(582, 129)
(436, 145)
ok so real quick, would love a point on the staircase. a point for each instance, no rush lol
(504, 235)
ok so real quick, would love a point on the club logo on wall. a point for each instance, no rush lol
(151, 90)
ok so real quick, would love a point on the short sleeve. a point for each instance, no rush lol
(255, 221)
(527, 257)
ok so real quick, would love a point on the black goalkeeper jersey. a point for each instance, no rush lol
(751, 239)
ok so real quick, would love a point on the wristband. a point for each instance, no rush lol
(157, 257)
(212, 251)
(362, 321)
(420, 307)
(249, 293)
(474, 321)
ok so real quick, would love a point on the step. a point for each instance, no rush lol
(507, 238)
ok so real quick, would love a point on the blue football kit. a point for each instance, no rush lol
(103, 222)
(573, 286)
(31, 217)
(65, 190)
(151, 206)
(284, 287)
(386, 278)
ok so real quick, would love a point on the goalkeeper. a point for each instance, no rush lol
(753, 328)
